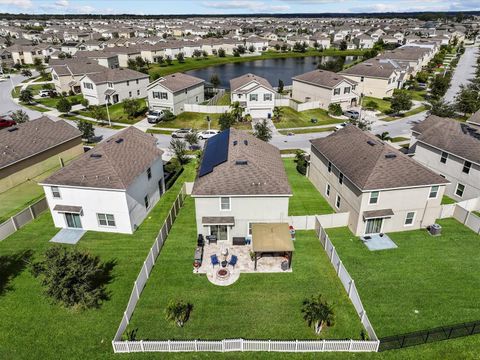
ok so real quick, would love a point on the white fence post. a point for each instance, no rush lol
(223, 345)
(126, 317)
(350, 287)
(141, 346)
(146, 270)
(136, 290)
(338, 266)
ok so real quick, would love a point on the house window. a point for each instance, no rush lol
(327, 190)
(128, 83)
(56, 192)
(337, 202)
(106, 219)
(87, 85)
(409, 218)
(267, 97)
(163, 96)
(149, 173)
(433, 192)
(353, 87)
(362, 78)
(336, 91)
(466, 167)
(136, 81)
(329, 166)
(346, 90)
(146, 202)
(253, 97)
(156, 94)
(224, 203)
(196, 99)
(444, 157)
(138, 92)
(460, 190)
(110, 85)
(130, 94)
(340, 178)
(374, 197)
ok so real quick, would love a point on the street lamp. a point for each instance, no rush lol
(108, 113)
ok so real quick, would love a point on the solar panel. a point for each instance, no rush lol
(215, 153)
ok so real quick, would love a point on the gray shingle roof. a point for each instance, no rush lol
(240, 81)
(263, 174)
(371, 68)
(176, 82)
(116, 75)
(33, 137)
(75, 67)
(451, 136)
(322, 78)
(371, 164)
(115, 163)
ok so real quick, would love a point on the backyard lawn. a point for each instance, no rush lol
(257, 306)
(291, 118)
(306, 200)
(382, 105)
(34, 328)
(198, 121)
(426, 282)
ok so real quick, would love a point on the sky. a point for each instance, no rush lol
(167, 7)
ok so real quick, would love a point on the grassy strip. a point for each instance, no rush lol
(446, 200)
(288, 151)
(291, 118)
(307, 130)
(412, 112)
(399, 139)
(94, 123)
(159, 131)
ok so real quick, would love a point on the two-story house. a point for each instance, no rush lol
(113, 85)
(382, 189)
(110, 188)
(255, 95)
(451, 149)
(67, 72)
(172, 92)
(241, 181)
(326, 87)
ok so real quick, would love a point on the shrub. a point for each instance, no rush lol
(168, 115)
(64, 106)
(335, 109)
(178, 312)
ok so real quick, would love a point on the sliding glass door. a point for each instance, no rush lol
(220, 231)
(374, 226)
(73, 220)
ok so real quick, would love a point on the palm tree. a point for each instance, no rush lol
(277, 113)
(26, 73)
(178, 312)
(19, 116)
(263, 131)
(192, 138)
(384, 136)
(317, 313)
(236, 111)
(26, 96)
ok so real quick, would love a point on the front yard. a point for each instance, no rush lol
(117, 114)
(257, 306)
(292, 119)
(198, 121)
(426, 282)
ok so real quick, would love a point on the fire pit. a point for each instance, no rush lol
(223, 274)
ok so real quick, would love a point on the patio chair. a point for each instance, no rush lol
(233, 261)
(214, 260)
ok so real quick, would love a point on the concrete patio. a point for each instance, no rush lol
(68, 236)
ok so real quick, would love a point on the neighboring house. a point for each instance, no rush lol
(255, 95)
(26, 54)
(67, 72)
(376, 78)
(6, 58)
(105, 58)
(364, 42)
(113, 86)
(111, 188)
(32, 148)
(326, 87)
(451, 149)
(258, 44)
(383, 189)
(241, 181)
(173, 91)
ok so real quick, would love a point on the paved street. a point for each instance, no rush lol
(464, 71)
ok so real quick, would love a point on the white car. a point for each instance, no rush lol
(46, 93)
(340, 126)
(207, 134)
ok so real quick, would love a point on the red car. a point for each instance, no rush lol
(4, 123)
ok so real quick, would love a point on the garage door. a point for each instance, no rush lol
(260, 113)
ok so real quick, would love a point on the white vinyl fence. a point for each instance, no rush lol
(347, 281)
(308, 222)
(207, 109)
(467, 218)
(19, 220)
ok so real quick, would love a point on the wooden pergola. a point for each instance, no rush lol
(272, 238)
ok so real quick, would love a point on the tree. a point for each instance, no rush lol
(443, 109)
(361, 123)
(26, 96)
(262, 131)
(196, 53)
(384, 136)
(422, 76)
(19, 116)
(215, 80)
(26, 73)
(236, 111)
(205, 54)
(38, 64)
(179, 149)
(98, 112)
(88, 132)
(168, 60)
(439, 85)
(140, 62)
(74, 278)
(343, 45)
(317, 313)
(251, 48)
(84, 103)
(280, 86)
(132, 64)
(333, 65)
(221, 52)
(131, 107)
(277, 113)
(8, 40)
(467, 100)
(178, 312)
(335, 109)
(64, 106)
(192, 138)
(226, 121)
(371, 105)
(301, 162)
(401, 101)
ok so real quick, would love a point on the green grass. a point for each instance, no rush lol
(383, 105)
(477, 213)
(412, 112)
(35, 107)
(74, 116)
(52, 102)
(225, 99)
(292, 119)
(34, 328)
(289, 151)
(15, 93)
(446, 200)
(117, 114)
(306, 200)
(198, 121)
(159, 131)
(307, 130)
(399, 139)
(258, 305)
(426, 282)
(418, 95)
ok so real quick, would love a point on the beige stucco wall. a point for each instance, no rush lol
(304, 92)
(374, 87)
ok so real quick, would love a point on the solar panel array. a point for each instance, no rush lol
(215, 153)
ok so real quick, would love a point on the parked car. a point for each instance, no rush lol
(352, 114)
(47, 93)
(4, 123)
(155, 116)
(181, 133)
(340, 126)
(207, 134)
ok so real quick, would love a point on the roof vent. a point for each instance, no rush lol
(235, 142)
(241, 162)
(13, 129)
(245, 142)
(390, 156)
(371, 143)
(119, 141)
(96, 156)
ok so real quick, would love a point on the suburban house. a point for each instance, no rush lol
(382, 189)
(364, 42)
(241, 181)
(451, 149)
(110, 188)
(113, 85)
(376, 78)
(67, 72)
(172, 92)
(34, 147)
(326, 87)
(255, 95)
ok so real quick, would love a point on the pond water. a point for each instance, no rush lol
(271, 69)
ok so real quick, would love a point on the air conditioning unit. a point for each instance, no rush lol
(435, 230)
